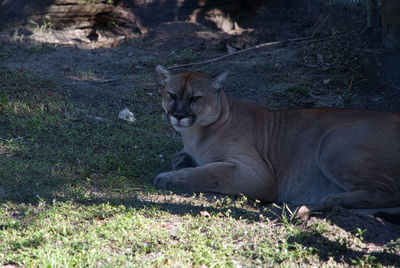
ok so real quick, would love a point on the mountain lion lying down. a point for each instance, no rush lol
(313, 157)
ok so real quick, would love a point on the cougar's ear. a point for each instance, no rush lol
(163, 73)
(219, 79)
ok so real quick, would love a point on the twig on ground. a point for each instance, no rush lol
(106, 81)
(97, 118)
(7, 154)
(320, 26)
(310, 39)
(349, 87)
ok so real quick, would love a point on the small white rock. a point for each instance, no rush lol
(127, 115)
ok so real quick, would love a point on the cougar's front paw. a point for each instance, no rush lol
(182, 160)
(170, 180)
(162, 180)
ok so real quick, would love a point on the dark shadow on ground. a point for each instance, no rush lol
(340, 252)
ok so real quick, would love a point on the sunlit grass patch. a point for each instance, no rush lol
(9, 147)
(63, 233)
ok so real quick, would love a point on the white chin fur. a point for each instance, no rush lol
(173, 120)
(185, 122)
(179, 125)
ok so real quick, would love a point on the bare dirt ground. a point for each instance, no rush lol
(339, 72)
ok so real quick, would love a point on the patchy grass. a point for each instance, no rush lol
(52, 149)
(76, 190)
(68, 234)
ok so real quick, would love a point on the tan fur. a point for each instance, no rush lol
(313, 157)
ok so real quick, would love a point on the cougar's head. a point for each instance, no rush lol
(190, 98)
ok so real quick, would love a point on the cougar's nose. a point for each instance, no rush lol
(178, 116)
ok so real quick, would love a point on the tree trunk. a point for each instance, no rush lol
(391, 23)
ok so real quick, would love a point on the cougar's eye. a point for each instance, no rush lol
(194, 99)
(172, 95)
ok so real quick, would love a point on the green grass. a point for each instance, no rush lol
(76, 191)
(52, 148)
(67, 234)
